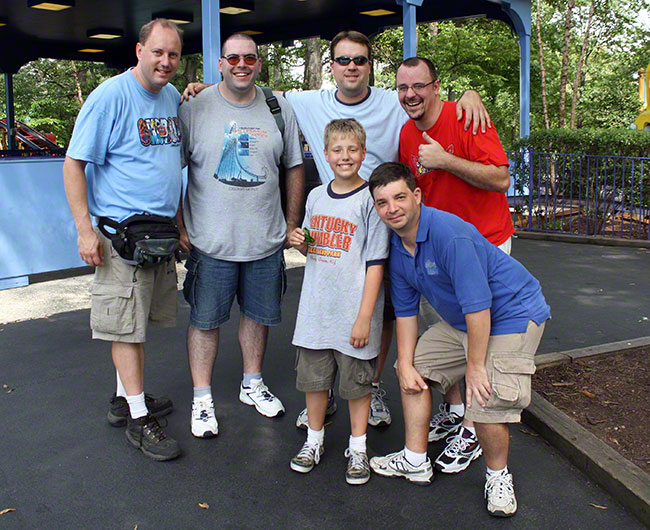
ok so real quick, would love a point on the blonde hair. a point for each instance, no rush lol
(345, 127)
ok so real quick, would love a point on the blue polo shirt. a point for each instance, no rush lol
(459, 271)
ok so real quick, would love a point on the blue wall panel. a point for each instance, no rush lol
(37, 233)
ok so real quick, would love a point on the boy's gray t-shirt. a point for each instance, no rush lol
(232, 206)
(349, 237)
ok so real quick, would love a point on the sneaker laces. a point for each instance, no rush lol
(309, 452)
(499, 488)
(263, 390)
(358, 459)
(439, 417)
(154, 429)
(458, 443)
(377, 398)
(203, 409)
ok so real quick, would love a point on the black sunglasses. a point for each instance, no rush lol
(233, 60)
(344, 60)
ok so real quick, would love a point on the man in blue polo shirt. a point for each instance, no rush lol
(493, 315)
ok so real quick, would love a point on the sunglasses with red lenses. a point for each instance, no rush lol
(233, 60)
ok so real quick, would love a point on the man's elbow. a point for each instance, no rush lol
(502, 182)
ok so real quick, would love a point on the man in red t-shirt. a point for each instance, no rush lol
(461, 173)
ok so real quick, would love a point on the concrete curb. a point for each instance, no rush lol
(626, 482)
(585, 240)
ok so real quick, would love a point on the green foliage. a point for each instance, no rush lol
(590, 141)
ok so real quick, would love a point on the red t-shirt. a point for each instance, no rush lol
(487, 210)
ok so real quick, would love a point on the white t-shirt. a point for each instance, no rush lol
(380, 113)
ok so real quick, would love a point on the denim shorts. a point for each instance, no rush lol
(211, 285)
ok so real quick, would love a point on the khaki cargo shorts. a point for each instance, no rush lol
(316, 371)
(122, 305)
(441, 357)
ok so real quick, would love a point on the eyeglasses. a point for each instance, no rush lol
(417, 87)
(344, 60)
(233, 60)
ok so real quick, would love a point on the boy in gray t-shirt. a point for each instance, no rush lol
(339, 322)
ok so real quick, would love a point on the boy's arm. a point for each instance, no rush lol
(361, 329)
(410, 381)
(476, 377)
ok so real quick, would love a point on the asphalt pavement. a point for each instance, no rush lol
(63, 466)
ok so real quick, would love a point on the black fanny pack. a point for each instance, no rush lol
(143, 240)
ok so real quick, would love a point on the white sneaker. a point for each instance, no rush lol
(204, 422)
(307, 458)
(302, 421)
(258, 395)
(379, 415)
(500, 495)
(396, 465)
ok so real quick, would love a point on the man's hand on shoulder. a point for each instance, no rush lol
(471, 104)
(192, 90)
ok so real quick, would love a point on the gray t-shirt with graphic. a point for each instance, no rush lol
(232, 206)
(349, 237)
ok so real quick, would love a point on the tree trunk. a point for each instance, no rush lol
(565, 62)
(313, 64)
(581, 61)
(542, 69)
(77, 85)
(264, 73)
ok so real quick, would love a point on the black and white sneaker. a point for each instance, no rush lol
(444, 423)
(259, 396)
(500, 495)
(461, 450)
(118, 410)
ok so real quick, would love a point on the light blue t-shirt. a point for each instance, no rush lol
(380, 113)
(131, 140)
(459, 271)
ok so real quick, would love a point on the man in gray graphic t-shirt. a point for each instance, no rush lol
(232, 223)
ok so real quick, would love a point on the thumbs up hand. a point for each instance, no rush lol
(431, 153)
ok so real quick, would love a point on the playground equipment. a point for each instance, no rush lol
(643, 120)
(29, 139)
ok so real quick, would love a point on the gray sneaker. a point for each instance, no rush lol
(396, 465)
(302, 421)
(379, 415)
(307, 458)
(500, 495)
(358, 471)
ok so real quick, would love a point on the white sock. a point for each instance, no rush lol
(249, 377)
(471, 429)
(137, 406)
(415, 459)
(491, 472)
(315, 437)
(201, 392)
(119, 392)
(457, 409)
(358, 443)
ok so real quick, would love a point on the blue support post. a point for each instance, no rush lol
(211, 27)
(409, 26)
(11, 125)
(519, 13)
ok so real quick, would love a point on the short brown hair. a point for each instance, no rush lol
(411, 62)
(145, 31)
(354, 36)
(345, 127)
(389, 172)
(241, 36)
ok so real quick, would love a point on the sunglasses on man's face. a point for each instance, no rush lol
(344, 60)
(233, 60)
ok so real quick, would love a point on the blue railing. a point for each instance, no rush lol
(587, 195)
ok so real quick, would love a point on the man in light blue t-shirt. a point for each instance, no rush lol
(124, 160)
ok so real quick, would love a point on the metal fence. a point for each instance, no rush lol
(584, 195)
